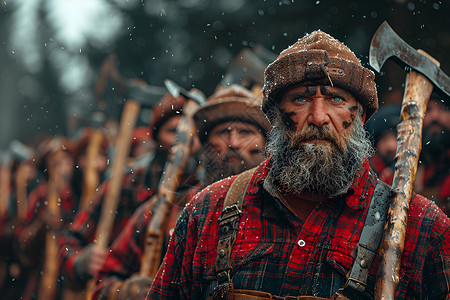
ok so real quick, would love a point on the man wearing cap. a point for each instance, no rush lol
(81, 259)
(232, 130)
(382, 128)
(291, 227)
(433, 173)
(56, 162)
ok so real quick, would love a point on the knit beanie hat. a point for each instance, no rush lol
(166, 108)
(227, 104)
(319, 59)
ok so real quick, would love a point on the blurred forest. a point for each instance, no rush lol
(52, 50)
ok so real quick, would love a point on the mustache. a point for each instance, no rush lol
(313, 132)
(436, 123)
(230, 154)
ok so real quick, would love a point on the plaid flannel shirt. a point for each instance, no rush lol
(124, 258)
(278, 253)
(82, 231)
(37, 205)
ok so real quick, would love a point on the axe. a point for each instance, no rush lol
(418, 87)
(5, 182)
(137, 94)
(170, 180)
(246, 69)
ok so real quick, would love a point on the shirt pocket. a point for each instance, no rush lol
(341, 262)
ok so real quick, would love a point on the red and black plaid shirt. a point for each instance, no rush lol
(276, 252)
(124, 258)
(82, 231)
(33, 246)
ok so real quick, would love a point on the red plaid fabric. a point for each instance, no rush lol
(384, 173)
(82, 231)
(125, 254)
(34, 246)
(276, 252)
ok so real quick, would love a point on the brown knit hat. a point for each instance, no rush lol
(166, 108)
(227, 104)
(319, 59)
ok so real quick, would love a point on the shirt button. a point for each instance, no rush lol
(301, 243)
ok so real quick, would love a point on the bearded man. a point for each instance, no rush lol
(433, 174)
(232, 131)
(294, 228)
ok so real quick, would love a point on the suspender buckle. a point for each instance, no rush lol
(353, 288)
(230, 212)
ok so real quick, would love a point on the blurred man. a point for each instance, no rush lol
(433, 174)
(81, 259)
(383, 128)
(232, 130)
(57, 165)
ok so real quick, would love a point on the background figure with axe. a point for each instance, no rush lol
(433, 173)
(25, 177)
(51, 208)
(232, 130)
(305, 222)
(382, 128)
(81, 259)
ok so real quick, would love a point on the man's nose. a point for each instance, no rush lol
(234, 140)
(318, 113)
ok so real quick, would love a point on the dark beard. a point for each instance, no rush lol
(435, 144)
(324, 169)
(218, 167)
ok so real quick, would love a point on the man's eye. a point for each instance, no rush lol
(299, 100)
(337, 99)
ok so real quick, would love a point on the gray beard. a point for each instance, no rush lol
(320, 169)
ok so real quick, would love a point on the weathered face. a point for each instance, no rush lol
(318, 141)
(167, 132)
(244, 139)
(322, 106)
(437, 117)
(232, 148)
(387, 146)
(436, 131)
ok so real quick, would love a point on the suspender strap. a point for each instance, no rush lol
(228, 226)
(369, 241)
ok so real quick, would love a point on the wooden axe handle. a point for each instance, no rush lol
(90, 173)
(5, 188)
(47, 288)
(164, 199)
(110, 203)
(409, 136)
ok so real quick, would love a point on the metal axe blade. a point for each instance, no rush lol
(386, 43)
(146, 95)
(176, 90)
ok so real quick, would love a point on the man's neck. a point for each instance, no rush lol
(301, 205)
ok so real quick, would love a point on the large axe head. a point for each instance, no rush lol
(386, 43)
(246, 69)
(175, 90)
(146, 95)
(136, 89)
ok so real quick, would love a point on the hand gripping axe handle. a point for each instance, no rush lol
(170, 180)
(138, 95)
(418, 87)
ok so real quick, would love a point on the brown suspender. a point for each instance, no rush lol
(228, 225)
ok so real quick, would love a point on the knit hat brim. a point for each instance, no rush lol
(229, 109)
